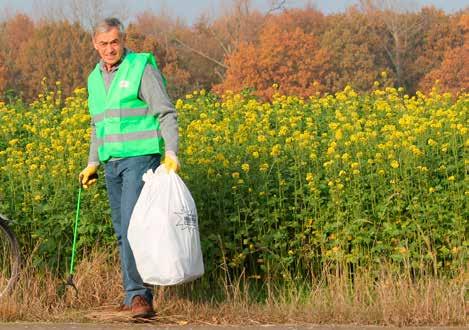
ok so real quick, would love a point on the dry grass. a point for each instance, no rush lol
(386, 301)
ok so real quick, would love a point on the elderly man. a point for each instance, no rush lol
(132, 122)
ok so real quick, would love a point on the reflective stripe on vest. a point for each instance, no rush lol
(120, 113)
(113, 138)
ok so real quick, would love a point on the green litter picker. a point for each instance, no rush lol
(69, 281)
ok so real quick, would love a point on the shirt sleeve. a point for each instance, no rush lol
(153, 92)
(93, 158)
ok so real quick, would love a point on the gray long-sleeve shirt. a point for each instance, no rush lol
(153, 92)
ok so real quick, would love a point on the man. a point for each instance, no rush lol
(132, 120)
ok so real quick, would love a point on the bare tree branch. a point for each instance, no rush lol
(85, 12)
(400, 25)
(198, 52)
(225, 48)
(276, 5)
(242, 9)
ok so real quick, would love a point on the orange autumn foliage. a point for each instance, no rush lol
(453, 73)
(292, 59)
(3, 74)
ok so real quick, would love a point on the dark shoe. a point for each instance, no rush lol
(141, 308)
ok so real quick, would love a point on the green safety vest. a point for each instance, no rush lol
(124, 126)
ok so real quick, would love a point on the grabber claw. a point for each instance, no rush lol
(70, 282)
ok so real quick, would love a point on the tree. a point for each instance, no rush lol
(17, 30)
(14, 33)
(87, 13)
(197, 53)
(57, 51)
(453, 73)
(152, 33)
(308, 19)
(439, 35)
(3, 75)
(291, 59)
(355, 55)
(208, 43)
(168, 60)
(400, 28)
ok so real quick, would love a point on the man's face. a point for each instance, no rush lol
(110, 46)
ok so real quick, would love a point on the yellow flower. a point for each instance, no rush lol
(235, 175)
(455, 250)
(275, 150)
(422, 168)
(264, 167)
(432, 142)
(179, 104)
(283, 131)
(394, 164)
(345, 157)
(309, 177)
(13, 142)
(328, 163)
(245, 167)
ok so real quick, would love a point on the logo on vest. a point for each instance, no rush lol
(124, 84)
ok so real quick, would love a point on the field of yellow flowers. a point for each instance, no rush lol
(284, 189)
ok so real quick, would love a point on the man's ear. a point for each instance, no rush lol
(94, 43)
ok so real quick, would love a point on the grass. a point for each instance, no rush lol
(385, 300)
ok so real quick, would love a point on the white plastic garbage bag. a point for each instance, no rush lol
(164, 232)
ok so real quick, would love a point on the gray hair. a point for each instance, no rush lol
(107, 24)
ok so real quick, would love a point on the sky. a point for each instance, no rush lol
(189, 10)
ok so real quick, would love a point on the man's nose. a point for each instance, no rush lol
(108, 48)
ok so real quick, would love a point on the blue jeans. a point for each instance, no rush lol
(124, 184)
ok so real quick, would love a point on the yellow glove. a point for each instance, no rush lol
(171, 161)
(89, 176)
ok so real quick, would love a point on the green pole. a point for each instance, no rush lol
(75, 233)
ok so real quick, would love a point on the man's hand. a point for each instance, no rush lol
(88, 176)
(171, 161)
